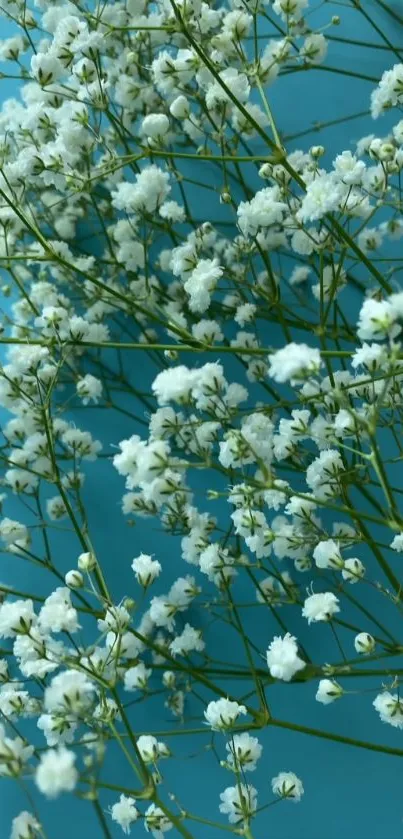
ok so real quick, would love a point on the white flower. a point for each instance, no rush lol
(24, 826)
(397, 543)
(148, 192)
(174, 385)
(146, 569)
(57, 728)
(222, 714)
(349, 169)
(46, 68)
(155, 125)
(236, 24)
(328, 691)
(237, 82)
(327, 555)
(207, 331)
(81, 443)
(364, 643)
(371, 356)
(264, 210)
(314, 48)
(201, 282)
(377, 320)
(188, 641)
(55, 508)
(217, 564)
(293, 362)
(116, 619)
(16, 618)
(353, 570)
(298, 507)
(389, 92)
(172, 211)
(239, 803)
(11, 48)
(243, 752)
(15, 702)
(287, 785)
(156, 822)
(136, 678)
(13, 532)
(150, 749)
(320, 607)
(180, 108)
(390, 708)
(282, 658)
(299, 274)
(322, 475)
(14, 754)
(70, 690)
(124, 812)
(56, 772)
(245, 313)
(89, 389)
(290, 8)
(37, 654)
(370, 239)
(323, 195)
(57, 614)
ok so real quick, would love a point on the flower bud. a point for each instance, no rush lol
(180, 108)
(317, 151)
(168, 679)
(328, 691)
(74, 579)
(266, 170)
(364, 643)
(129, 603)
(386, 151)
(86, 562)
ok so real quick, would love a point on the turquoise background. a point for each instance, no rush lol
(348, 792)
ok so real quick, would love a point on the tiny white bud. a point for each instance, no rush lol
(168, 679)
(74, 579)
(86, 562)
(364, 643)
(328, 691)
(266, 170)
(317, 151)
(386, 151)
(128, 603)
(179, 108)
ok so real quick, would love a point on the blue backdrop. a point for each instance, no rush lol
(348, 792)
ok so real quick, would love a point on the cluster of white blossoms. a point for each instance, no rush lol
(150, 205)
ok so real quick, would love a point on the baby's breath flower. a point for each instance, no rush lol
(287, 785)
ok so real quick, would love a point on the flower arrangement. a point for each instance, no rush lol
(288, 404)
